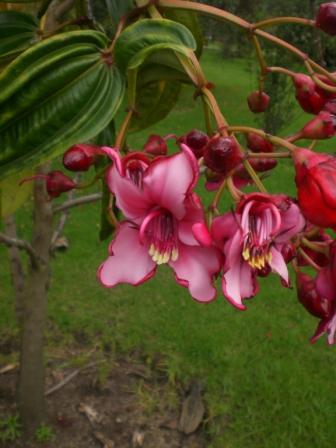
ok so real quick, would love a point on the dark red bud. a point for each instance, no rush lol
(258, 101)
(326, 18)
(262, 165)
(222, 155)
(80, 157)
(288, 252)
(258, 144)
(330, 107)
(196, 140)
(319, 258)
(321, 127)
(303, 83)
(259, 165)
(57, 183)
(308, 296)
(307, 95)
(156, 145)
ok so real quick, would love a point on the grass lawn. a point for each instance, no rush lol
(265, 385)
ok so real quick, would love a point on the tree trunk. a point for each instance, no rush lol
(32, 371)
(17, 273)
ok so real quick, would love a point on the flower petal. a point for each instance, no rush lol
(224, 227)
(202, 234)
(120, 267)
(195, 269)
(114, 155)
(239, 282)
(278, 264)
(324, 283)
(130, 199)
(168, 180)
(292, 222)
(326, 326)
(194, 215)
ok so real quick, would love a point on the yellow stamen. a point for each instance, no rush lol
(174, 254)
(151, 250)
(246, 253)
(156, 256)
(165, 257)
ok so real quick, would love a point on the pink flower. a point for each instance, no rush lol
(252, 239)
(325, 284)
(164, 221)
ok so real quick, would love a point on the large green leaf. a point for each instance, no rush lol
(154, 102)
(148, 33)
(62, 91)
(20, 1)
(109, 12)
(105, 138)
(18, 31)
(190, 20)
(12, 195)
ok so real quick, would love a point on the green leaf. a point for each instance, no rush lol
(20, 1)
(105, 138)
(155, 72)
(13, 195)
(18, 31)
(63, 91)
(190, 20)
(109, 12)
(154, 102)
(147, 33)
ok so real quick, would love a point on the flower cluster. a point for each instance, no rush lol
(259, 233)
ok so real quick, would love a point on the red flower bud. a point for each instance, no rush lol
(156, 145)
(288, 252)
(57, 183)
(196, 140)
(321, 127)
(316, 185)
(326, 94)
(307, 95)
(258, 144)
(315, 304)
(330, 107)
(258, 101)
(222, 155)
(80, 157)
(318, 257)
(259, 165)
(326, 18)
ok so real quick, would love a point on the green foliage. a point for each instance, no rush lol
(13, 195)
(18, 31)
(109, 12)
(148, 33)
(154, 102)
(44, 433)
(60, 92)
(10, 428)
(153, 43)
(105, 138)
(190, 20)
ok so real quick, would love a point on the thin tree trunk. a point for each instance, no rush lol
(32, 371)
(17, 273)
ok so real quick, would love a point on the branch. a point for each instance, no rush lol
(22, 245)
(78, 201)
(71, 376)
